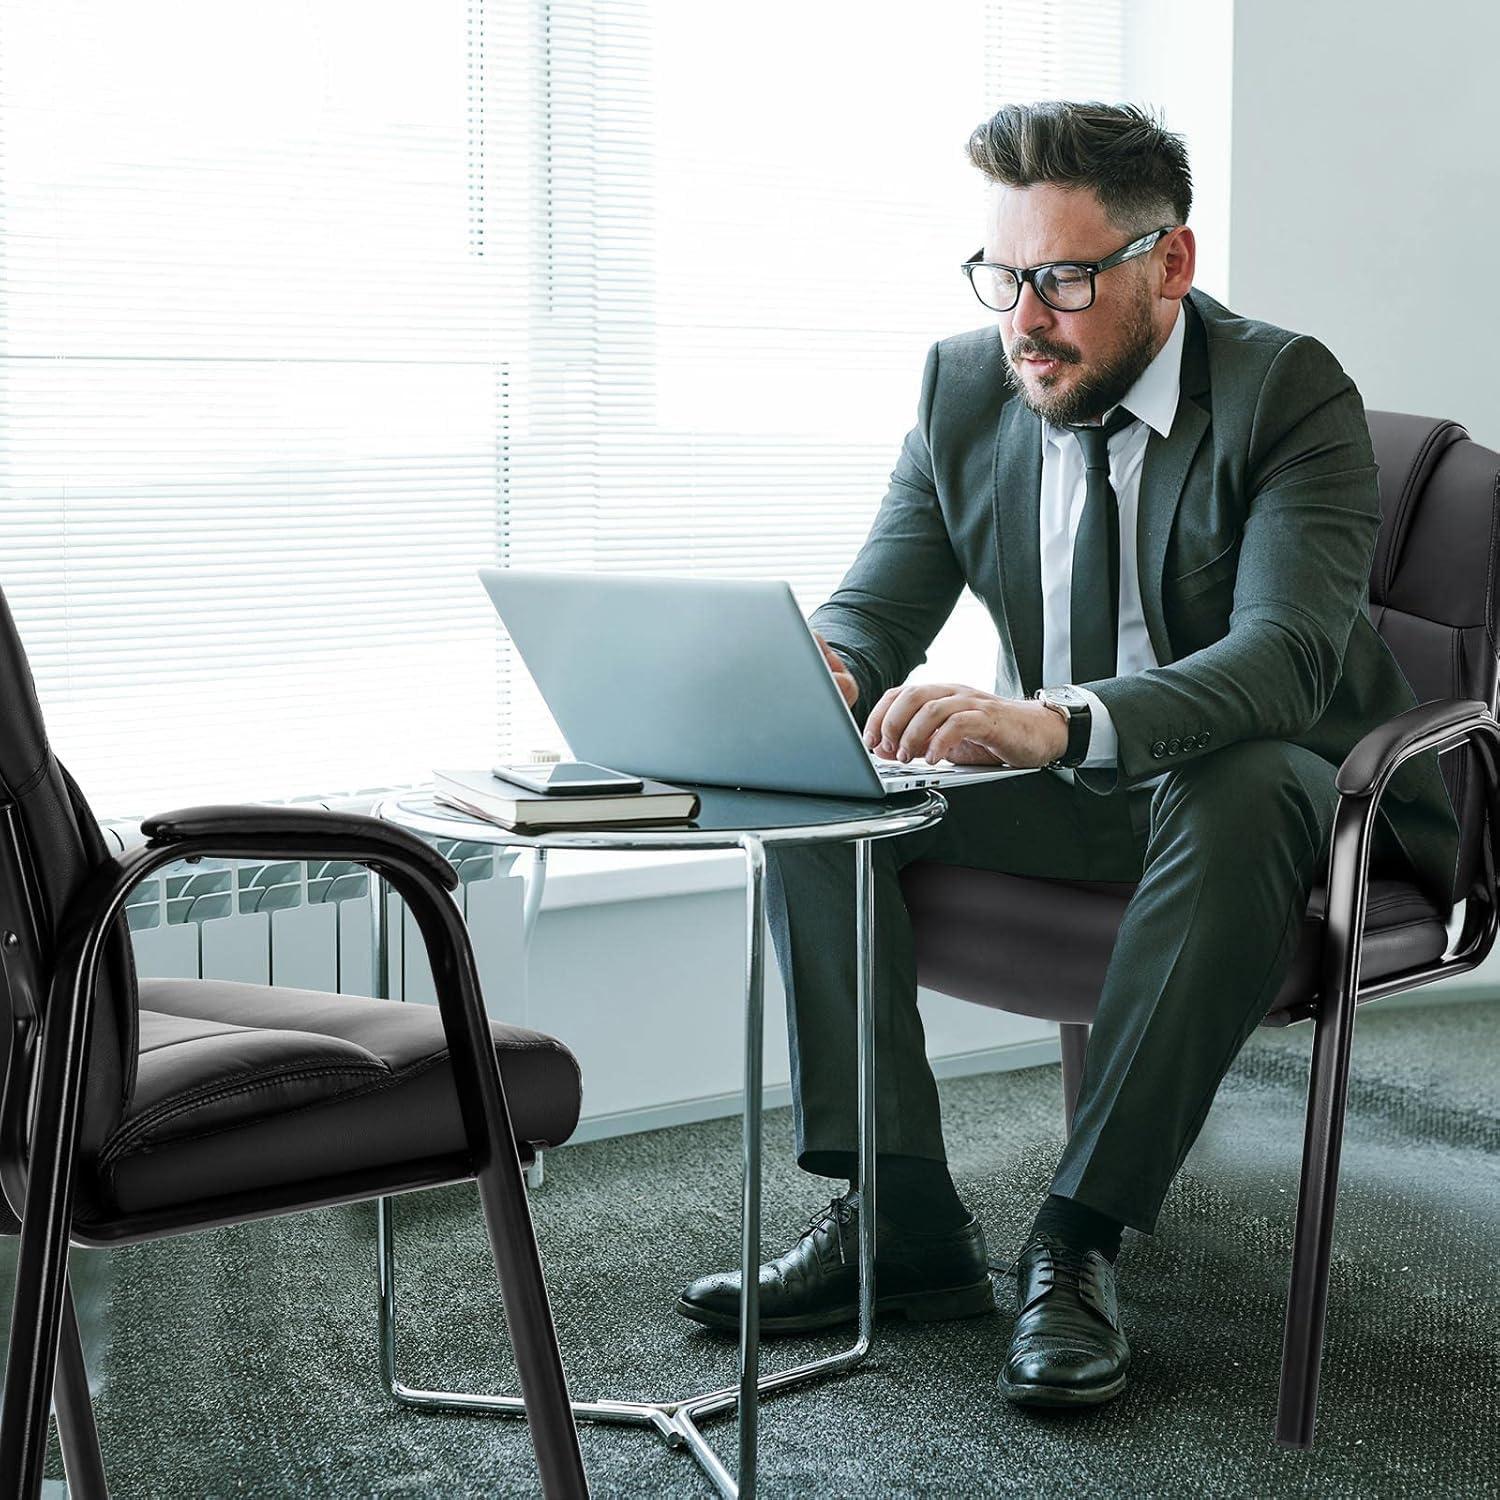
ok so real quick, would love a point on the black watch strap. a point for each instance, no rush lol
(1080, 729)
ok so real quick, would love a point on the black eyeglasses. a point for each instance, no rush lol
(1067, 285)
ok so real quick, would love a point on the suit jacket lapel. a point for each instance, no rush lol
(1017, 497)
(1164, 472)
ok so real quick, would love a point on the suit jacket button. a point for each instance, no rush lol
(1158, 748)
(1190, 742)
(1173, 745)
(1202, 738)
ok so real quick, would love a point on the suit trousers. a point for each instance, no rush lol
(1226, 849)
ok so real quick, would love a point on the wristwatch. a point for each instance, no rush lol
(1071, 703)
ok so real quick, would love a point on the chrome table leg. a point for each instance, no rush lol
(677, 1420)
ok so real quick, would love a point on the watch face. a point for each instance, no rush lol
(1069, 697)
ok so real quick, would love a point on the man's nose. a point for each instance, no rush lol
(1031, 314)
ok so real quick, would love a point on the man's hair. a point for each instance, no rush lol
(1136, 168)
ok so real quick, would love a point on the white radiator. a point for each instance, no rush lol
(307, 926)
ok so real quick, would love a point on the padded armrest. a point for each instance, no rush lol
(298, 828)
(1385, 744)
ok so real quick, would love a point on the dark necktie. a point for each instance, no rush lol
(1095, 605)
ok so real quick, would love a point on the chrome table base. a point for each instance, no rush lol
(677, 1420)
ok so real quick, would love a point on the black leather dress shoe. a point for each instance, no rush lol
(815, 1284)
(1067, 1348)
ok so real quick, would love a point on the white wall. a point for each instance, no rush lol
(1179, 57)
(1364, 142)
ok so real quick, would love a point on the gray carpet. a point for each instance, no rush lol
(242, 1361)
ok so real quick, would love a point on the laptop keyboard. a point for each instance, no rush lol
(906, 767)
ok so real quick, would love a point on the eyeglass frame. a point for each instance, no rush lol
(1138, 246)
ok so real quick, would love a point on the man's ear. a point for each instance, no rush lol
(1180, 261)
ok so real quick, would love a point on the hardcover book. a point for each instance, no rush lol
(486, 796)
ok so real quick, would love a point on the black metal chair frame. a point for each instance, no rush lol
(1440, 725)
(48, 1065)
(1360, 780)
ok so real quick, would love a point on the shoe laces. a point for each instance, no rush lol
(840, 1210)
(1064, 1264)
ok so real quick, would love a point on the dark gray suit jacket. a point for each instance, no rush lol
(1256, 532)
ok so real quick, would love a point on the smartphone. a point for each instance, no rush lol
(567, 776)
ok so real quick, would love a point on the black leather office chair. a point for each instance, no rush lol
(137, 1108)
(993, 938)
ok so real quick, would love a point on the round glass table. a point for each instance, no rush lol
(728, 818)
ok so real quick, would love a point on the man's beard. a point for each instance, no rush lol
(1102, 388)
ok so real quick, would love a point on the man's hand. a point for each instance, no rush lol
(841, 673)
(947, 721)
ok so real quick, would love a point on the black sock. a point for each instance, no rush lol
(916, 1192)
(1079, 1224)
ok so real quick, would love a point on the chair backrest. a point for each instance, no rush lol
(1432, 595)
(58, 844)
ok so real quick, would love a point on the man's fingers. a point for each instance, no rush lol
(895, 710)
(830, 655)
(875, 724)
(904, 704)
(953, 732)
(935, 740)
(927, 721)
(836, 662)
(847, 686)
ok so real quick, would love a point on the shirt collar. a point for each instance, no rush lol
(1153, 398)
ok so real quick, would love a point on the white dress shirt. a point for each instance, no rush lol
(1152, 400)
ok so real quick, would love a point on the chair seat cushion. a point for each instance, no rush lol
(1040, 947)
(240, 1087)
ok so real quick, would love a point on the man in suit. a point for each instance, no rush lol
(1170, 512)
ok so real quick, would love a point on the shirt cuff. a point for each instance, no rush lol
(1104, 741)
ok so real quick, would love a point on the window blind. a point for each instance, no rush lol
(309, 309)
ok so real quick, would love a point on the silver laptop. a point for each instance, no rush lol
(712, 680)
